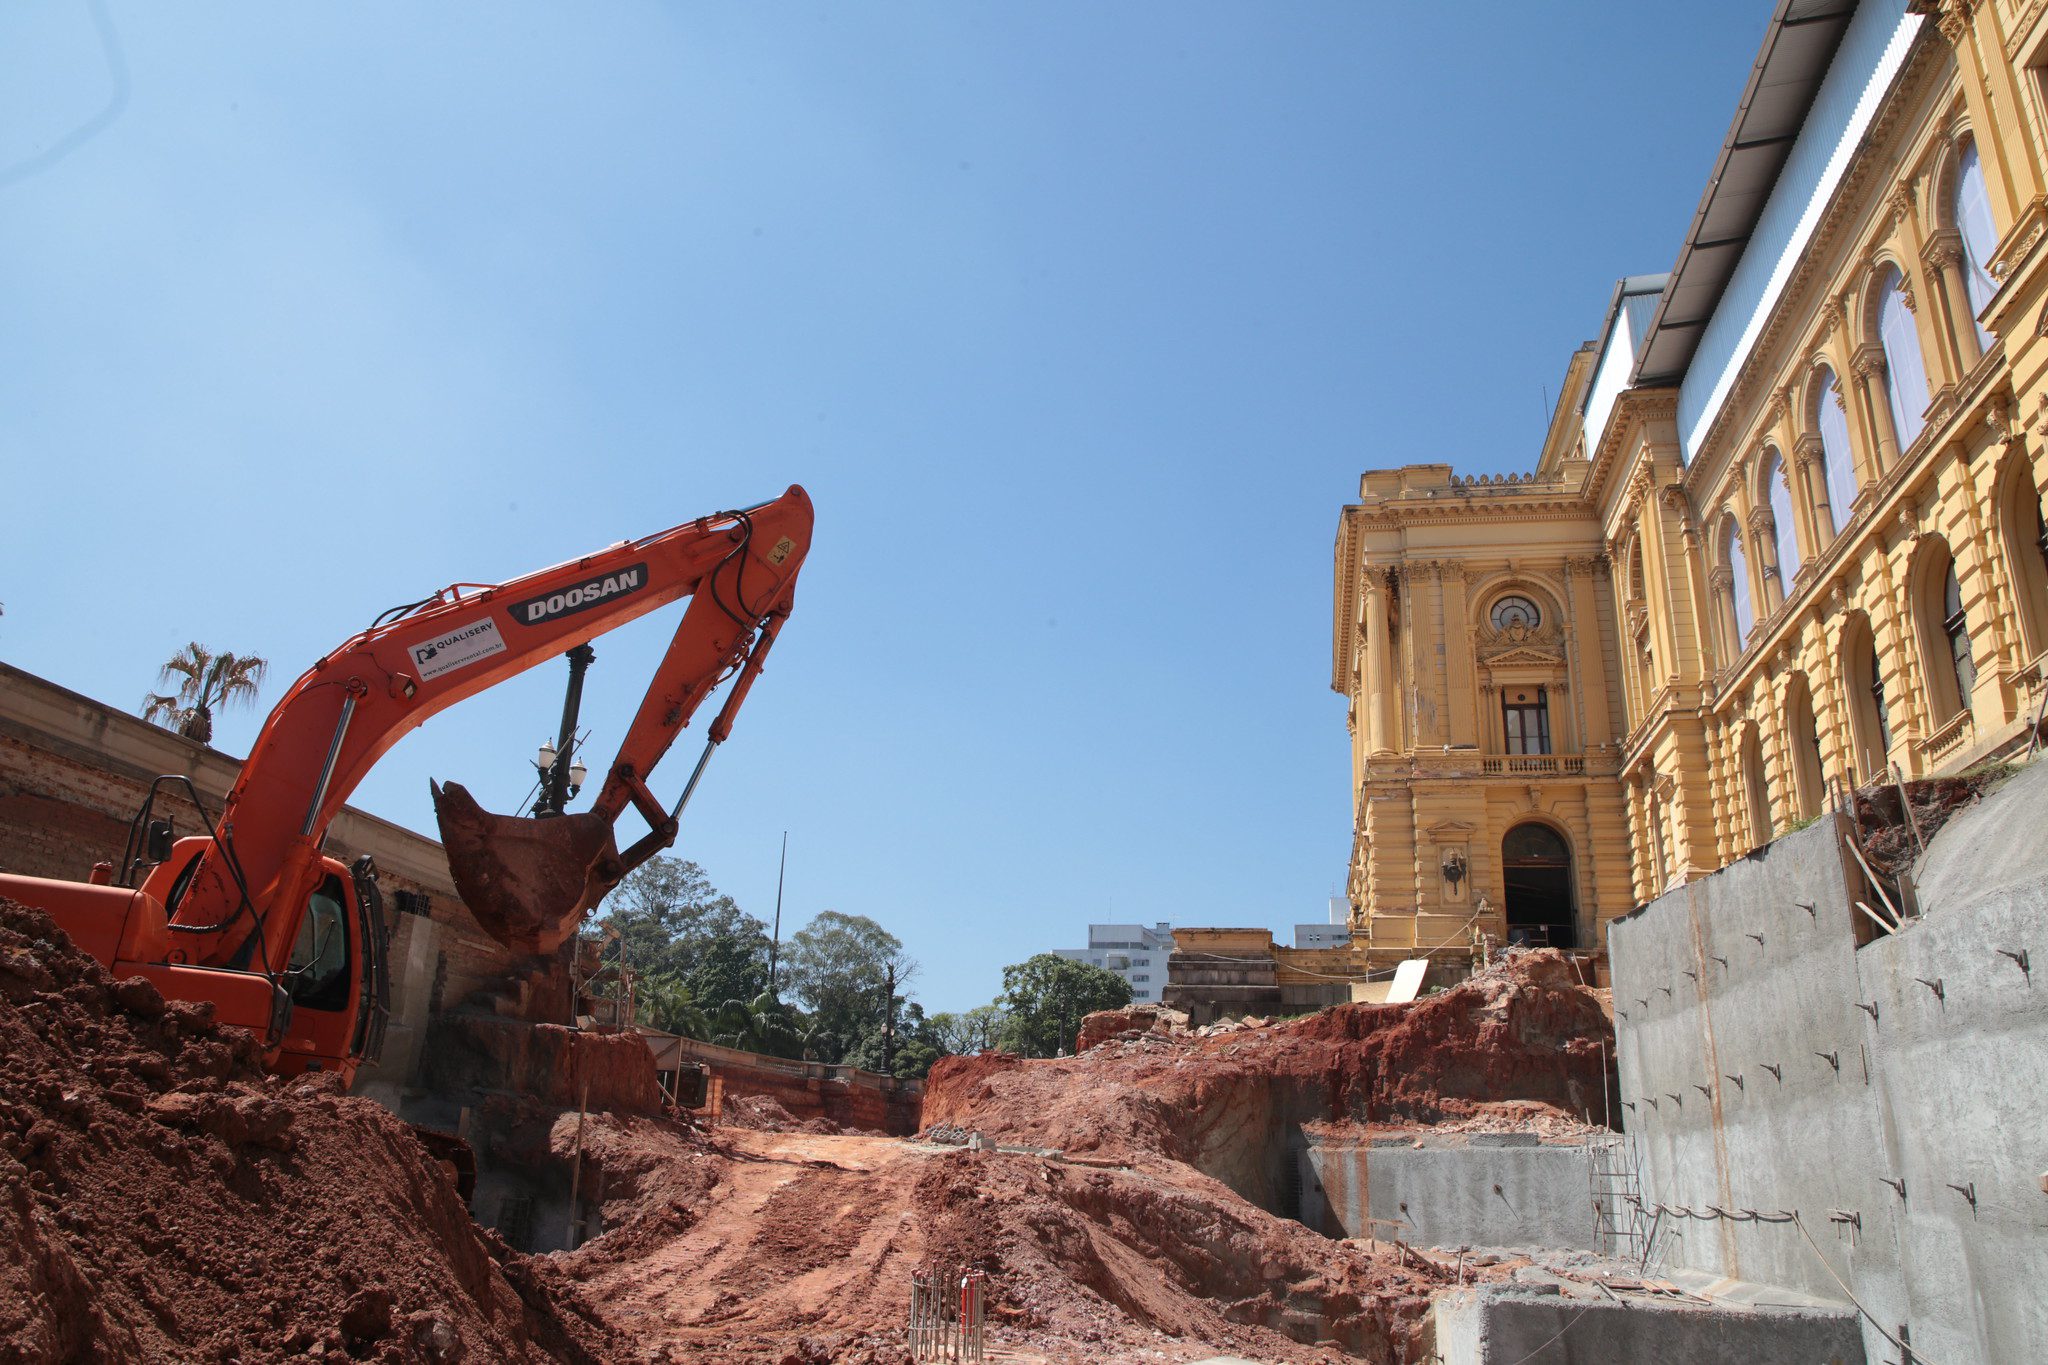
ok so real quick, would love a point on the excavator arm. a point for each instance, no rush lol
(240, 898)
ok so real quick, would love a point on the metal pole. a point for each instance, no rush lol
(554, 783)
(775, 943)
(348, 709)
(889, 1022)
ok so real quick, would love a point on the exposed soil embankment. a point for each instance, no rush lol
(163, 1199)
(764, 1247)
(1526, 1038)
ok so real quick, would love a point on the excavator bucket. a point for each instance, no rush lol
(526, 880)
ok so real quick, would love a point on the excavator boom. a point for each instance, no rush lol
(530, 879)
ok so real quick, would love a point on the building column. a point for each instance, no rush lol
(1873, 412)
(1831, 717)
(1376, 662)
(1460, 666)
(1955, 316)
(1812, 502)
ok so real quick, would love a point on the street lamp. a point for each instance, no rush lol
(560, 780)
(572, 781)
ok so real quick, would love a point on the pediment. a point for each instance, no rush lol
(1449, 829)
(1523, 654)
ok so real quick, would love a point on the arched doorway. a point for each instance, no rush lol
(1537, 867)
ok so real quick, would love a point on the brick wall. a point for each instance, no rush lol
(73, 773)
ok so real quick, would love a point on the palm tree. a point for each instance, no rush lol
(666, 1003)
(205, 680)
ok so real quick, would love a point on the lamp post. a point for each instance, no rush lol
(561, 770)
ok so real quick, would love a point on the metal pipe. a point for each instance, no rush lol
(690, 787)
(348, 709)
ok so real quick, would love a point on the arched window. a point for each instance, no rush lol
(1779, 489)
(1905, 384)
(1863, 682)
(1755, 795)
(1972, 208)
(2024, 534)
(1837, 469)
(1516, 611)
(1943, 630)
(1802, 735)
(1738, 584)
(1955, 629)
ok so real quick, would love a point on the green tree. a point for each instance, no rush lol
(763, 1024)
(1047, 996)
(909, 1054)
(842, 966)
(205, 681)
(665, 1001)
(672, 921)
(965, 1034)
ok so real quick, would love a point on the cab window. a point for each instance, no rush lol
(318, 976)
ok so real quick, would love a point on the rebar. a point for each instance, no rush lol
(948, 1315)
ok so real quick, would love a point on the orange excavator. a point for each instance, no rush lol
(286, 941)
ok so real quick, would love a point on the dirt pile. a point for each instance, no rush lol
(166, 1200)
(1114, 1264)
(759, 1248)
(765, 1114)
(765, 1246)
(1131, 1020)
(1526, 1034)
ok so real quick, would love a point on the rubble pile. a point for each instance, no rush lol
(765, 1114)
(161, 1198)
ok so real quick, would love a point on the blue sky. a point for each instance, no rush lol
(1079, 323)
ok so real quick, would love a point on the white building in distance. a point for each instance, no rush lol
(1132, 951)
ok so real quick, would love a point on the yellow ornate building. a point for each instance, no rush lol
(1785, 532)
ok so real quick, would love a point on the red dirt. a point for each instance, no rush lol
(165, 1200)
(763, 1248)
(1525, 1032)
(764, 1114)
(769, 1247)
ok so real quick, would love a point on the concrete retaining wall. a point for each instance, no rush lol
(1509, 1326)
(1731, 977)
(1481, 1190)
